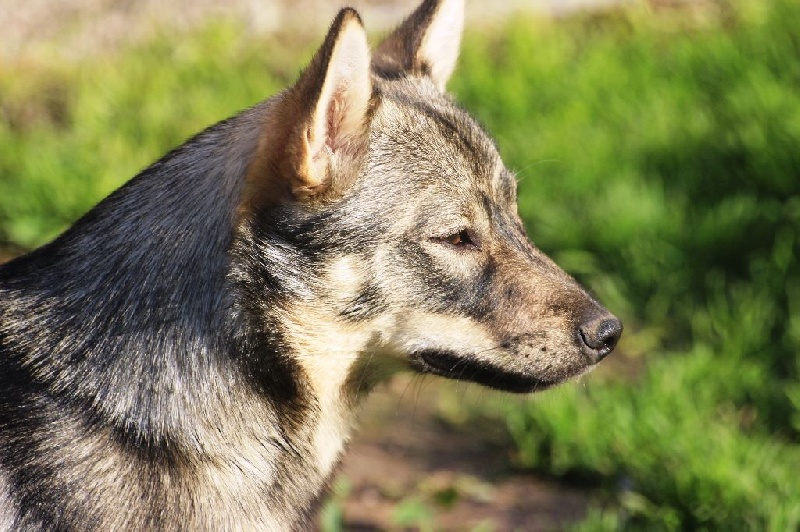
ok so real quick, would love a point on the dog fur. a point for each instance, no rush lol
(190, 353)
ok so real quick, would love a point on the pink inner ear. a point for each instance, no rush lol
(336, 112)
(343, 99)
(335, 115)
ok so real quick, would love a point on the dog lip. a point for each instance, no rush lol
(453, 366)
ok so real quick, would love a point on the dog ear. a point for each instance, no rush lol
(315, 133)
(425, 44)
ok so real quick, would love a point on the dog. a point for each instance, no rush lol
(191, 352)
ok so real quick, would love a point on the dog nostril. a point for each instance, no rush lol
(609, 332)
(601, 335)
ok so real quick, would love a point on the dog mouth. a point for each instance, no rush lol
(452, 366)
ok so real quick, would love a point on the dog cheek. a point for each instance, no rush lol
(420, 330)
(344, 278)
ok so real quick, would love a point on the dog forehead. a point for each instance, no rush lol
(429, 136)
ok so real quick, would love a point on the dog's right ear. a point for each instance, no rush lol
(315, 135)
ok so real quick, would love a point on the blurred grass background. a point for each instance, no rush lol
(658, 153)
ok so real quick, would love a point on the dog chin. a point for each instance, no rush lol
(453, 366)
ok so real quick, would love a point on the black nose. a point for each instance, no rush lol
(600, 335)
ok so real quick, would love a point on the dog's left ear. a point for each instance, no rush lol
(316, 132)
(426, 43)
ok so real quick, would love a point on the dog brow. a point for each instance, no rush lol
(507, 184)
(455, 124)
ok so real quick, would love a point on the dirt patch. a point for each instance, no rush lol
(408, 466)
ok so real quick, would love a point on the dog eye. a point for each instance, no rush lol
(460, 239)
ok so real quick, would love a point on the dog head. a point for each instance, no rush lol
(385, 222)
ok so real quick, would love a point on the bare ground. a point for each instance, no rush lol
(463, 474)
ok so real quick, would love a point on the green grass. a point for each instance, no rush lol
(73, 134)
(659, 162)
